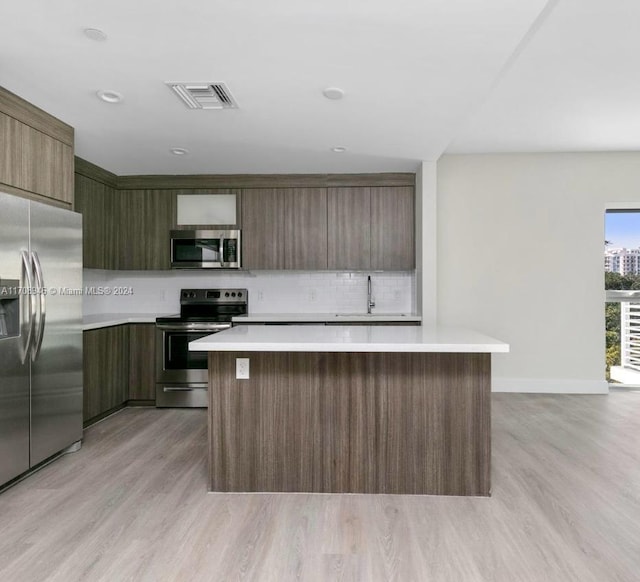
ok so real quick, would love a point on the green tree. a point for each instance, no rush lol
(616, 281)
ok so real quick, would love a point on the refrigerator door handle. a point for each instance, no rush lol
(26, 267)
(43, 305)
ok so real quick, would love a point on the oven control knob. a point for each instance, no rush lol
(226, 294)
(193, 294)
(185, 294)
(233, 295)
(240, 294)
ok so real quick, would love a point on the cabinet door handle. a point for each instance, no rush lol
(180, 389)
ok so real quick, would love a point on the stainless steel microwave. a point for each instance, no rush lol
(205, 249)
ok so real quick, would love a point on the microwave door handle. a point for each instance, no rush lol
(221, 250)
(43, 305)
(28, 273)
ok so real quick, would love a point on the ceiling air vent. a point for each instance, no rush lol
(204, 95)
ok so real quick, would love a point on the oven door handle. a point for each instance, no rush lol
(192, 327)
(180, 389)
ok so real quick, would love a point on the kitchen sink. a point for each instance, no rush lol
(343, 315)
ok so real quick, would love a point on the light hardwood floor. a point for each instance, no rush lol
(132, 505)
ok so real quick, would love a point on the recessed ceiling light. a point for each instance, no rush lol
(110, 96)
(334, 93)
(339, 149)
(179, 151)
(95, 34)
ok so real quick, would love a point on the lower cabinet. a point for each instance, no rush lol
(119, 368)
(106, 370)
(142, 363)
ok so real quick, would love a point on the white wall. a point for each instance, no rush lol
(269, 291)
(426, 241)
(520, 257)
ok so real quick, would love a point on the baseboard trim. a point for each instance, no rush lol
(102, 416)
(549, 386)
(140, 403)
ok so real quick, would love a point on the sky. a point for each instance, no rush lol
(622, 229)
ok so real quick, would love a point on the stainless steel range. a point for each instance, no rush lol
(181, 375)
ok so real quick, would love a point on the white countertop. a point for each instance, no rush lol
(97, 321)
(324, 317)
(110, 319)
(346, 338)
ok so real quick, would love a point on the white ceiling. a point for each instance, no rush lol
(575, 86)
(482, 75)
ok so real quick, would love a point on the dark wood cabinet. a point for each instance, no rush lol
(106, 370)
(115, 230)
(158, 209)
(392, 228)
(371, 228)
(305, 228)
(119, 368)
(349, 228)
(284, 228)
(124, 229)
(142, 362)
(36, 152)
(140, 229)
(263, 228)
(299, 227)
(90, 202)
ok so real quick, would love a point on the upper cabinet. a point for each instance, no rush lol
(284, 228)
(122, 229)
(392, 228)
(371, 228)
(263, 229)
(36, 152)
(305, 227)
(203, 209)
(142, 229)
(90, 201)
(349, 226)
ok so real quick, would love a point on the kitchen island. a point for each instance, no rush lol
(358, 409)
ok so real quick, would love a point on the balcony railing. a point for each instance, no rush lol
(628, 372)
(630, 335)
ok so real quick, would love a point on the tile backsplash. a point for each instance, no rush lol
(269, 291)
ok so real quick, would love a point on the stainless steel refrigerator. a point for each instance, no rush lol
(40, 333)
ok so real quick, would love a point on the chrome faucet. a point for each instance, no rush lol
(370, 303)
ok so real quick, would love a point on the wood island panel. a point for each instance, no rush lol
(403, 423)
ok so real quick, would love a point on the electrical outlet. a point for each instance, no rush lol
(260, 296)
(313, 296)
(242, 368)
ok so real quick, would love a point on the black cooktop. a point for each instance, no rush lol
(209, 305)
